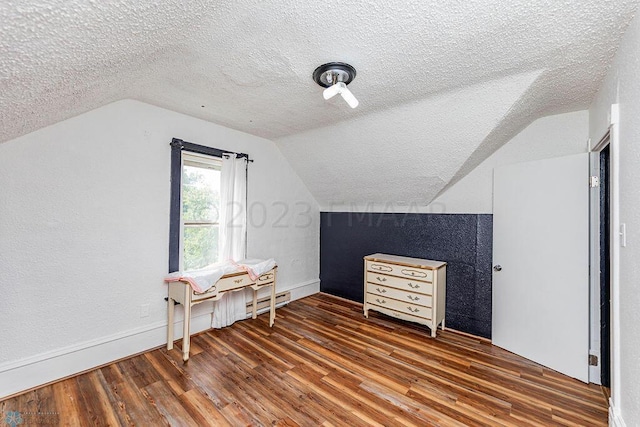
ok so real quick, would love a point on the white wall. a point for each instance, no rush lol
(548, 137)
(552, 136)
(84, 227)
(622, 86)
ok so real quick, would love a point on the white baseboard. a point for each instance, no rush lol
(43, 368)
(615, 418)
(304, 289)
(594, 374)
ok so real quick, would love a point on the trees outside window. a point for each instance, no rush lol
(200, 210)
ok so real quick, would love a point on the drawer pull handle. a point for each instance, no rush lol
(381, 279)
(380, 302)
(412, 286)
(412, 298)
(413, 273)
(382, 291)
(379, 267)
(265, 277)
(238, 281)
(413, 310)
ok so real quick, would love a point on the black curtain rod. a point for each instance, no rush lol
(202, 149)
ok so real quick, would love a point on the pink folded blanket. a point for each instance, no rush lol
(256, 267)
(204, 279)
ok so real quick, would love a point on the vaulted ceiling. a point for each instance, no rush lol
(441, 84)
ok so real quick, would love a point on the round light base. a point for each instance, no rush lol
(341, 72)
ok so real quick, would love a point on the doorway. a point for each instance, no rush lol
(604, 240)
(605, 270)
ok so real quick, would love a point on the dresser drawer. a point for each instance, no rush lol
(267, 277)
(233, 282)
(397, 282)
(400, 271)
(211, 292)
(403, 316)
(400, 295)
(401, 306)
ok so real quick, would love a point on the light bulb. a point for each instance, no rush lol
(348, 96)
(333, 90)
(341, 88)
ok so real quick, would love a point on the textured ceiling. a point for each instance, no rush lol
(248, 64)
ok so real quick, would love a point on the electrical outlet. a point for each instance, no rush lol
(144, 310)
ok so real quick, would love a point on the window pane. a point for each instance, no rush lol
(200, 246)
(200, 194)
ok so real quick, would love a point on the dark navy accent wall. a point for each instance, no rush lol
(464, 241)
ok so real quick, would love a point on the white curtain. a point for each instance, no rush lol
(231, 239)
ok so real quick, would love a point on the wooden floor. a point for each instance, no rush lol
(321, 364)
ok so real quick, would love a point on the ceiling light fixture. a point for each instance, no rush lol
(335, 76)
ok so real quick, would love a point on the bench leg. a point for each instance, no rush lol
(254, 311)
(272, 313)
(170, 310)
(186, 336)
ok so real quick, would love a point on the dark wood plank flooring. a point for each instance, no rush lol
(321, 364)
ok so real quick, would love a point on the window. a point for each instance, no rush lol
(195, 204)
(200, 211)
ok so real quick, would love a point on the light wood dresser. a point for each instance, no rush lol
(412, 289)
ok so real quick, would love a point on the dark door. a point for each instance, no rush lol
(605, 284)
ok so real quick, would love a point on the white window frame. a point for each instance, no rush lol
(189, 158)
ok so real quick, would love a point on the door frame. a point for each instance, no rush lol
(610, 138)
